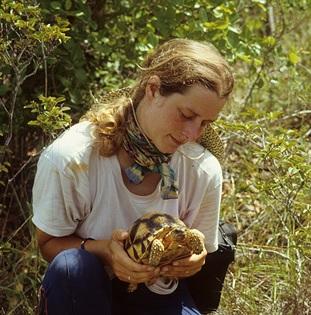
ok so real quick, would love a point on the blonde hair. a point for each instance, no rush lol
(179, 63)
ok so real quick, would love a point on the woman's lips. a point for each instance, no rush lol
(178, 143)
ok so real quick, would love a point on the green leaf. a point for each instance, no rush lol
(260, 83)
(293, 58)
(56, 5)
(270, 41)
(68, 4)
(292, 171)
(33, 123)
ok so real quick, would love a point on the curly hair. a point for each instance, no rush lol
(179, 63)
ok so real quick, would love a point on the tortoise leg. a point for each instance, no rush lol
(156, 252)
(131, 287)
(195, 241)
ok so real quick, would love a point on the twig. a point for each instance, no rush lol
(19, 228)
(19, 82)
(250, 140)
(253, 85)
(261, 217)
(19, 57)
(18, 200)
(270, 251)
(266, 54)
(31, 73)
(45, 71)
(271, 19)
(11, 113)
(23, 166)
(275, 248)
(23, 66)
(305, 68)
(307, 134)
(295, 114)
(4, 107)
(12, 311)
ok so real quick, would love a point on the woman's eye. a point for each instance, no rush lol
(185, 116)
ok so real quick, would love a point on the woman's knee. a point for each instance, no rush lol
(76, 266)
(75, 282)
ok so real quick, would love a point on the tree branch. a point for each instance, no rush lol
(45, 70)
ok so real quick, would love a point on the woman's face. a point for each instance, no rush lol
(170, 121)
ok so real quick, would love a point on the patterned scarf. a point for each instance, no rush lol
(147, 159)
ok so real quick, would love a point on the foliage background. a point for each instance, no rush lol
(54, 55)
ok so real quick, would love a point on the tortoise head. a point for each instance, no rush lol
(177, 234)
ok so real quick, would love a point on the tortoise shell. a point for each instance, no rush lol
(158, 239)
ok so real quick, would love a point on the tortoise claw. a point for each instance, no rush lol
(156, 252)
(195, 241)
(132, 287)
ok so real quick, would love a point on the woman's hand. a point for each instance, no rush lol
(184, 267)
(122, 265)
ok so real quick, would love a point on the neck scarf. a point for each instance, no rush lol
(147, 158)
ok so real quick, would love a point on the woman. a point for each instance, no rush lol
(133, 153)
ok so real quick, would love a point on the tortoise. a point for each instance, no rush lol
(158, 239)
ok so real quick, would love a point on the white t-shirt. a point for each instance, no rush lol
(76, 190)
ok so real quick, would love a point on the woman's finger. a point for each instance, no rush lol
(184, 267)
(134, 277)
(123, 266)
(193, 259)
(120, 257)
(119, 235)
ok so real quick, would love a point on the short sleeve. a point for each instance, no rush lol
(207, 219)
(205, 197)
(58, 205)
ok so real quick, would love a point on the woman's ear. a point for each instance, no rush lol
(153, 87)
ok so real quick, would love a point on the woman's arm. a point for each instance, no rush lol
(50, 245)
(110, 252)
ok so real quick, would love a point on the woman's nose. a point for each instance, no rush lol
(192, 131)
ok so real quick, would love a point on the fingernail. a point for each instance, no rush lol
(175, 263)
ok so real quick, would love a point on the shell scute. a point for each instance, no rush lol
(171, 232)
(157, 239)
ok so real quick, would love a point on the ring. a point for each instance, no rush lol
(129, 278)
